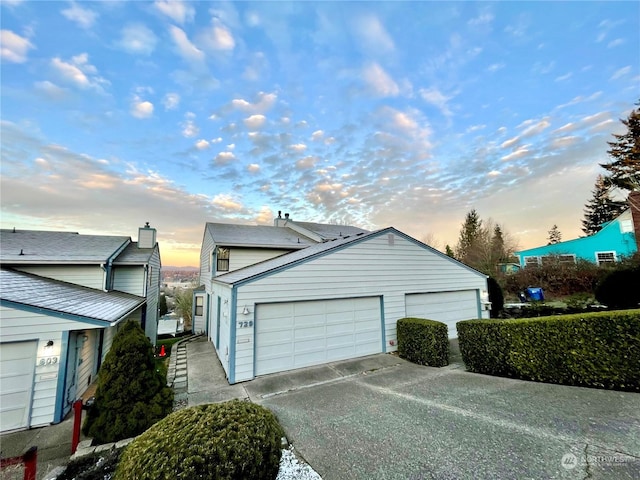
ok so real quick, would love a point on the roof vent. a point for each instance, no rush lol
(21, 252)
(286, 215)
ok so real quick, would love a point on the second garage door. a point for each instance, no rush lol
(445, 307)
(300, 334)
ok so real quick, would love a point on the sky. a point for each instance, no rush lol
(375, 114)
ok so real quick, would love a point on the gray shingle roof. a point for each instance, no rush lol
(57, 297)
(331, 232)
(290, 258)
(132, 255)
(43, 247)
(264, 236)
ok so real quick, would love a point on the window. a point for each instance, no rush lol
(555, 259)
(605, 257)
(626, 226)
(223, 260)
(531, 261)
(199, 305)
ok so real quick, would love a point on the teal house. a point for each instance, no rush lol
(618, 238)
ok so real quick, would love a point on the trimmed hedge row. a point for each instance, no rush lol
(599, 350)
(423, 341)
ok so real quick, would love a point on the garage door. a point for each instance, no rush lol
(301, 334)
(446, 307)
(17, 365)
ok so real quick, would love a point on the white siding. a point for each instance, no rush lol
(207, 269)
(372, 267)
(87, 361)
(129, 279)
(243, 257)
(199, 320)
(107, 340)
(153, 297)
(92, 276)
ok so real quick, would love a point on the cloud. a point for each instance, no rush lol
(372, 35)
(217, 37)
(298, 147)
(494, 173)
(306, 163)
(254, 122)
(227, 202)
(615, 43)
(564, 142)
(141, 108)
(436, 98)
(564, 77)
(84, 17)
(494, 67)
(317, 135)
(223, 158)
(185, 48)
(621, 73)
(202, 144)
(137, 39)
(519, 153)
(253, 167)
(50, 90)
(189, 128)
(176, 10)
(262, 104)
(79, 72)
(379, 81)
(171, 101)
(13, 47)
(534, 128)
(481, 20)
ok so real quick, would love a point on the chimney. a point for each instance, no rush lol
(634, 204)
(146, 236)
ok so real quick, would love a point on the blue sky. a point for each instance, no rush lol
(370, 113)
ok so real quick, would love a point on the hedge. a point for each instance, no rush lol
(423, 341)
(224, 441)
(599, 350)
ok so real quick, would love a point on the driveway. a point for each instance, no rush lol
(384, 418)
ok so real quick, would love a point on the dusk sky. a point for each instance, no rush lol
(374, 114)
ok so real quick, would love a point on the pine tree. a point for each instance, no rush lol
(624, 169)
(554, 235)
(498, 253)
(601, 208)
(469, 234)
(449, 251)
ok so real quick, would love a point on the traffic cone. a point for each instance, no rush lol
(162, 352)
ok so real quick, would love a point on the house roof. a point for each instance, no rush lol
(42, 247)
(229, 235)
(132, 255)
(274, 264)
(331, 232)
(53, 297)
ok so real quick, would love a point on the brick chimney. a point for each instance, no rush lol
(634, 205)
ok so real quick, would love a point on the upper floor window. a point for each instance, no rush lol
(199, 305)
(605, 257)
(223, 260)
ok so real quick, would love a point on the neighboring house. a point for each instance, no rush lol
(617, 239)
(62, 297)
(327, 293)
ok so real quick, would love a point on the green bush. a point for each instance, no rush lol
(131, 394)
(620, 288)
(593, 350)
(424, 342)
(496, 297)
(231, 440)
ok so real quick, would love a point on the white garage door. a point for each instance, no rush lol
(17, 365)
(445, 307)
(301, 334)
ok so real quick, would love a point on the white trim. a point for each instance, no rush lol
(612, 252)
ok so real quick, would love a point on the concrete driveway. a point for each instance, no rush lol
(384, 418)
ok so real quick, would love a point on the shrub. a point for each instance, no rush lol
(424, 342)
(620, 288)
(594, 349)
(496, 297)
(231, 440)
(131, 394)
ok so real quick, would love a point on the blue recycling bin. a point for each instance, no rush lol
(535, 294)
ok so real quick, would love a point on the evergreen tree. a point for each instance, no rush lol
(554, 235)
(624, 169)
(131, 395)
(498, 251)
(469, 234)
(601, 208)
(449, 251)
(162, 305)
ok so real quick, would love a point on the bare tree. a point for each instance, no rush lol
(431, 240)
